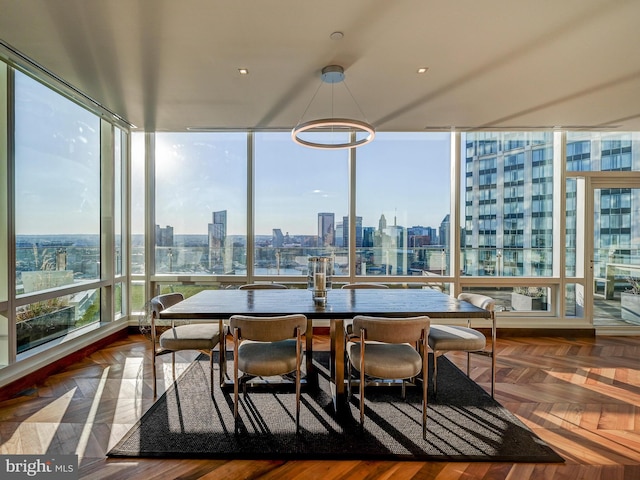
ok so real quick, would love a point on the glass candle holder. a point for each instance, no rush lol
(320, 271)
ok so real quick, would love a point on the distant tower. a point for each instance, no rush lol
(164, 236)
(445, 231)
(217, 234)
(340, 235)
(345, 231)
(382, 223)
(368, 236)
(326, 229)
(277, 238)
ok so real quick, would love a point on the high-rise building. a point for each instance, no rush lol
(445, 232)
(345, 231)
(419, 236)
(508, 204)
(382, 223)
(278, 238)
(326, 229)
(164, 236)
(217, 234)
(368, 235)
(340, 240)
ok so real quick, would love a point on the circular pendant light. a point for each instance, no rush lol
(356, 131)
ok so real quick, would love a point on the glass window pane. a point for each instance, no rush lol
(117, 188)
(118, 299)
(602, 151)
(509, 231)
(137, 296)
(42, 322)
(4, 209)
(57, 177)
(403, 199)
(137, 203)
(301, 205)
(517, 299)
(201, 204)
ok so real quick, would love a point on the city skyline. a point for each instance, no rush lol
(334, 227)
(202, 173)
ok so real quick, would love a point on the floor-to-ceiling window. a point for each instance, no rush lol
(403, 206)
(57, 212)
(509, 207)
(301, 201)
(137, 215)
(607, 160)
(5, 198)
(200, 225)
(383, 212)
(63, 218)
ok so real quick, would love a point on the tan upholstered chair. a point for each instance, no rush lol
(389, 349)
(262, 286)
(447, 338)
(348, 324)
(196, 336)
(266, 347)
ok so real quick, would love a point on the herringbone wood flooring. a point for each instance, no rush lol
(582, 396)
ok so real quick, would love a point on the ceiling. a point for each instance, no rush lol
(492, 64)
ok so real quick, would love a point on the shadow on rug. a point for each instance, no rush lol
(464, 424)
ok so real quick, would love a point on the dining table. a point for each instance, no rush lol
(341, 304)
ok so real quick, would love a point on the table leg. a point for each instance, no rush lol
(311, 373)
(336, 330)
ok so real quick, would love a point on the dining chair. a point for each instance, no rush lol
(447, 338)
(348, 323)
(192, 336)
(266, 347)
(389, 349)
(279, 286)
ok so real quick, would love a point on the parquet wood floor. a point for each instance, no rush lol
(582, 396)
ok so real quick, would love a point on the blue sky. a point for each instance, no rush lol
(399, 175)
(58, 178)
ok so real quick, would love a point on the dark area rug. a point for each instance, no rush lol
(464, 423)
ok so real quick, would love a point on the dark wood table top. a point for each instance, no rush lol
(341, 304)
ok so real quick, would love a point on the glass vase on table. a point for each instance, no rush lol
(320, 272)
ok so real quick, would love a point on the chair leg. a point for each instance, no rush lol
(362, 385)
(222, 357)
(425, 389)
(155, 381)
(493, 354)
(435, 373)
(424, 409)
(493, 374)
(298, 373)
(173, 364)
(235, 377)
(349, 386)
(211, 370)
(468, 364)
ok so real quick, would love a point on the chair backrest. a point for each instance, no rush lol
(481, 301)
(262, 286)
(354, 286)
(268, 329)
(392, 330)
(161, 302)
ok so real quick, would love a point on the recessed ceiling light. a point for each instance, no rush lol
(243, 71)
(336, 36)
(422, 70)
